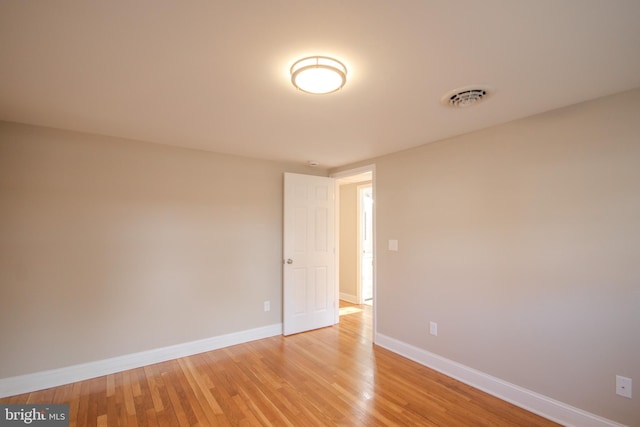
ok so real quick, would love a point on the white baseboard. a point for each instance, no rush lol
(353, 299)
(531, 401)
(56, 377)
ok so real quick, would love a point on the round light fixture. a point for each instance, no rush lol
(318, 74)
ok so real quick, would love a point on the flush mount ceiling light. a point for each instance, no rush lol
(318, 74)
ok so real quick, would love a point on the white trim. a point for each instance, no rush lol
(353, 299)
(336, 303)
(56, 377)
(531, 401)
(355, 171)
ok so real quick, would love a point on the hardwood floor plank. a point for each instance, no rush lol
(179, 409)
(103, 421)
(211, 409)
(331, 376)
(74, 403)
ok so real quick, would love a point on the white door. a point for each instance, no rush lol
(309, 253)
(365, 197)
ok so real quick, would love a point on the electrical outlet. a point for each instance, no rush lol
(623, 386)
(267, 306)
(433, 328)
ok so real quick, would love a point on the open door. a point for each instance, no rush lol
(365, 243)
(309, 290)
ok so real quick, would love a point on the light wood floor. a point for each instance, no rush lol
(331, 376)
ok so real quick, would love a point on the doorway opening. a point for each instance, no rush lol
(356, 240)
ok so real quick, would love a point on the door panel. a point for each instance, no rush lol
(309, 252)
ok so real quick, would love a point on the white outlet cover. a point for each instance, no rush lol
(433, 328)
(393, 245)
(623, 386)
(267, 306)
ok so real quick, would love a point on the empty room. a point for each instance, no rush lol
(357, 213)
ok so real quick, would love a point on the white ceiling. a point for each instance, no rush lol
(214, 74)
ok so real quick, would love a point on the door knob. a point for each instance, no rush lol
(289, 261)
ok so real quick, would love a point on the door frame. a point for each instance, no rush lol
(345, 174)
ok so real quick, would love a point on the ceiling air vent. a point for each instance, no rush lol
(465, 97)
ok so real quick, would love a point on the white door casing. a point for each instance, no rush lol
(309, 289)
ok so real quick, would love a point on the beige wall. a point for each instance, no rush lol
(349, 239)
(522, 242)
(110, 247)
